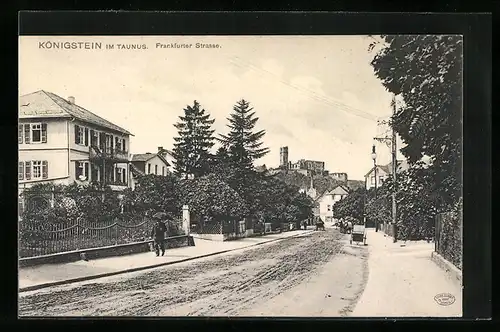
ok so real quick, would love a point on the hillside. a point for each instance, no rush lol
(320, 182)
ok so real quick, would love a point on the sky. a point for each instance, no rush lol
(318, 95)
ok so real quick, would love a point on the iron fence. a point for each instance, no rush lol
(202, 227)
(51, 238)
(448, 237)
(53, 223)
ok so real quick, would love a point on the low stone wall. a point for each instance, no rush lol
(451, 269)
(103, 252)
(230, 236)
(210, 237)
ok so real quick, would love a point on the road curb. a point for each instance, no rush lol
(447, 266)
(141, 268)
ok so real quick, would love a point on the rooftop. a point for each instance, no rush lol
(49, 105)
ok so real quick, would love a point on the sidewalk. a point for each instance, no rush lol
(31, 278)
(403, 281)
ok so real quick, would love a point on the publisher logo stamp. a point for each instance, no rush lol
(444, 299)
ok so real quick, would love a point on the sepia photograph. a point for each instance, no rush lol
(240, 176)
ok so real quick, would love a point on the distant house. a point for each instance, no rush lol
(383, 173)
(311, 191)
(61, 142)
(261, 169)
(327, 199)
(149, 163)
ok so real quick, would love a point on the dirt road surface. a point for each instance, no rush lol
(318, 274)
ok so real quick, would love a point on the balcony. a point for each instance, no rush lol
(108, 153)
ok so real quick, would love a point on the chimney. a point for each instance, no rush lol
(160, 149)
(71, 100)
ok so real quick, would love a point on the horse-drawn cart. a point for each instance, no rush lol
(358, 234)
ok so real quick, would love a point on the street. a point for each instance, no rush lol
(318, 274)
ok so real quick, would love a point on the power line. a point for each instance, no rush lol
(310, 93)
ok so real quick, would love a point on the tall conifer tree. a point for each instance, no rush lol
(242, 143)
(194, 141)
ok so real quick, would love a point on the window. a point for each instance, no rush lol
(109, 143)
(21, 170)
(373, 180)
(163, 170)
(81, 169)
(36, 133)
(81, 135)
(381, 179)
(120, 175)
(149, 168)
(36, 169)
(156, 169)
(118, 144)
(33, 133)
(94, 138)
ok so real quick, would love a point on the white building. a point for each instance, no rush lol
(383, 173)
(61, 142)
(150, 163)
(328, 199)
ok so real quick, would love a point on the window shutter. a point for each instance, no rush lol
(77, 137)
(21, 170)
(27, 169)
(44, 133)
(87, 137)
(91, 137)
(27, 133)
(124, 147)
(45, 169)
(86, 165)
(20, 133)
(77, 171)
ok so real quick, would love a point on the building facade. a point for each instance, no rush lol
(61, 142)
(328, 200)
(339, 176)
(148, 163)
(383, 173)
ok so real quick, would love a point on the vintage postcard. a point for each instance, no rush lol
(278, 176)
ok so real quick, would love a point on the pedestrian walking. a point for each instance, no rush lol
(158, 233)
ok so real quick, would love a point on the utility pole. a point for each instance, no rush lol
(392, 142)
(394, 173)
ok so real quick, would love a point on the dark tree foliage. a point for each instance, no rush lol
(426, 71)
(352, 205)
(195, 139)
(154, 193)
(209, 196)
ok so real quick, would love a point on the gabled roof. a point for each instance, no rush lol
(49, 105)
(402, 165)
(384, 168)
(327, 191)
(143, 157)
